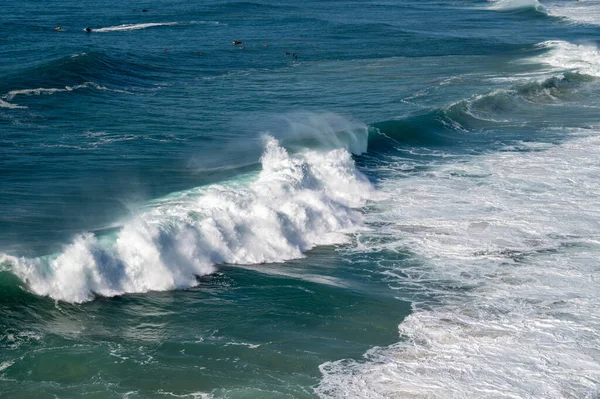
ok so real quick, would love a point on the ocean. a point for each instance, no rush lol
(316, 199)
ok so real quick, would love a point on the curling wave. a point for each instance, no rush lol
(297, 201)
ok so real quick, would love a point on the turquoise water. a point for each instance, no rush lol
(364, 199)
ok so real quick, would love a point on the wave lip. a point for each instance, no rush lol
(127, 27)
(298, 201)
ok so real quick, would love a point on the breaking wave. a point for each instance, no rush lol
(296, 202)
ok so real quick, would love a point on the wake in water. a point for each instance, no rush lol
(296, 202)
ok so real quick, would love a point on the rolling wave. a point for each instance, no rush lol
(80, 69)
(296, 202)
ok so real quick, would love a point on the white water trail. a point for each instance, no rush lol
(506, 267)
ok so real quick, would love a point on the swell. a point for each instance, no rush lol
(85, 70)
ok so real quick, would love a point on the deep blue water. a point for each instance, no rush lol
(365, 199)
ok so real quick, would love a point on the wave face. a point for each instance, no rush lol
(296, 202)
(503, 259)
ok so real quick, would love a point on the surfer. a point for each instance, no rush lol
(57, 28)
(236, 42)
(294, 56)
(88, 29)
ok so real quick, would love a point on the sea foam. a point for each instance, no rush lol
(503, 281)
(296, 202)
(582, 58)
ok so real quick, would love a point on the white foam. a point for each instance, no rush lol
(582, 11)
(4, 104)
(512, 5)
(49, 91)
(296, 202)
(582, 58)
(5, 365)
(504, 285)
(126, 27)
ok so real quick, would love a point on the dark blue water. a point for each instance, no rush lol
(182, 216)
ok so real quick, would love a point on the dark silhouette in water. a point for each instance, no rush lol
(88, 29)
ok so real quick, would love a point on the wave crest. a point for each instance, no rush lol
(298, 201)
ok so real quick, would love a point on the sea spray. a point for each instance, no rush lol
(296, 202)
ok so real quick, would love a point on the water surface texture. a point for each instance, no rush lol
(361, 199)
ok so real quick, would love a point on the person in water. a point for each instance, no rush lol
(236, 42)
(57, 28)
(88, 29)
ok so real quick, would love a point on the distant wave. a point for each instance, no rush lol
(126, 27)
(516, 5)
(296, 202)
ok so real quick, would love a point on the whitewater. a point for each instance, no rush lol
(362, 200)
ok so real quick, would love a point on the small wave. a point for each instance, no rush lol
(298, 201)
(582, 58)
(126, 27)
(516, 5)
(49, 91)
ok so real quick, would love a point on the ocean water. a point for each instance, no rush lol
(364, 199)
